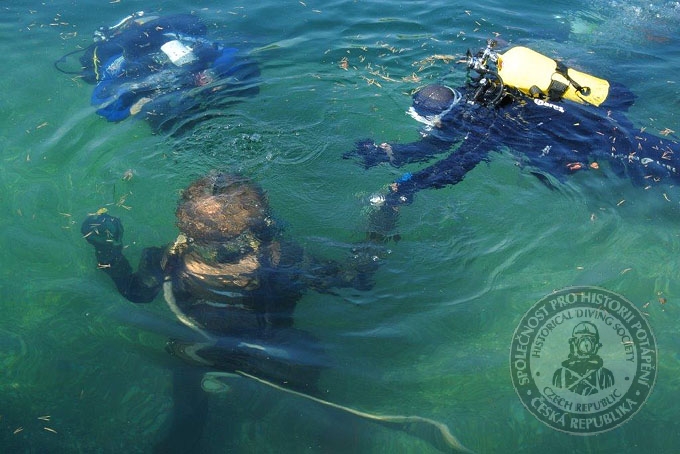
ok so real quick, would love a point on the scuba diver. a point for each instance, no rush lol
(234, 281)
(162, 69)
(561, 120)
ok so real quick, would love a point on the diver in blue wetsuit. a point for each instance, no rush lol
(162, 68)
(232, 279)
(560, 120)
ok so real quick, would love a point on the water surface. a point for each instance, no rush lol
(433, 336)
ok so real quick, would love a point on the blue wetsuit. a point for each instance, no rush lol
(557, 137)
(163, 68)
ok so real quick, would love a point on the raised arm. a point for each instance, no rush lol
(105, 233)
(449, 171)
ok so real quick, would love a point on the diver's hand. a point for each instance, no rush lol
(370, 153)
(103, 231)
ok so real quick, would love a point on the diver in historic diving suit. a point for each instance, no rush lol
(232, 278)
(560, 120)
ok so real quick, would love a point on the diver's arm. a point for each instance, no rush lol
(449, 171)
(105, 233)
(382, 221)
(357, 272)
(398, 154)
(298, 271)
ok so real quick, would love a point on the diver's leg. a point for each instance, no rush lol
(287, 356)
(189, 413)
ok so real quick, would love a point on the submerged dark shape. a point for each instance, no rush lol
(229, 274)
(163, 69)
(564, 126)
(234, 280)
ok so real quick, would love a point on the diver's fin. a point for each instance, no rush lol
(433, 432)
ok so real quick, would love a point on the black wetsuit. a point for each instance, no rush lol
(238, 296)
(558, 138)
(255, 304)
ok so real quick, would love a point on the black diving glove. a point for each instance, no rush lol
(370, 153)
(105, 233)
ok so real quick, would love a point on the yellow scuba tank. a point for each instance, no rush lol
(539, 76)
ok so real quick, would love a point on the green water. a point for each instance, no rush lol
(433, 336)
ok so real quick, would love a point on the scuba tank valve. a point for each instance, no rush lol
(480, 62)
(105, 33)
(490, 86)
